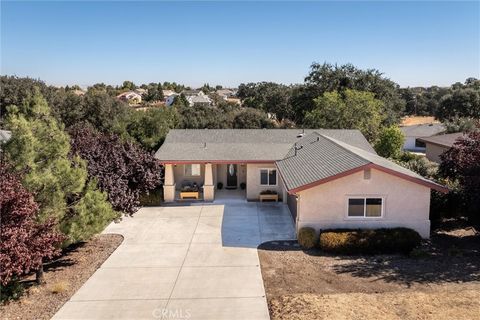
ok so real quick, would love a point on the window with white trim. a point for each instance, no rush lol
(268, 177)
(192, 170)
(365, 207)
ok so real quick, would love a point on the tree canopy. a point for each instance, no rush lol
(24, 243)
(349, 109)
(121, 168)
(41, 148)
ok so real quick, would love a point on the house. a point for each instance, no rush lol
(412, 133)
(197, 98)
(5, 135)
(200, 100)
(328, 178)
(225, 93)
(437, 145)
(131, 97)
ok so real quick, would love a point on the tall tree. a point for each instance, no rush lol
(462, 163)
(154, 92)
(390, 142)
(461, 103)
(24, 243)
(150, 128)
(40, 147)
(350, 109)
(327, 78)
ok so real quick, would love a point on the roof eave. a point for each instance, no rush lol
(425, 183)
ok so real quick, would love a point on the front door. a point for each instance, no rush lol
(231, 176)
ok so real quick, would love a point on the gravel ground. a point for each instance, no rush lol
(64, 277)
(442, 281)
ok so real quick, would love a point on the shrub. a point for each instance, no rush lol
(363, 241)
(268, 192)
(307, 237)
(152, 198)
(59, 287)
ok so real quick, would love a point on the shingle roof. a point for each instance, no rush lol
(319, 157)
(243, 144)
(445, 140)
(423, 130)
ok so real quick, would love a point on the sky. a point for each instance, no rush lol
(228, 43)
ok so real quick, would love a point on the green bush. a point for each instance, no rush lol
(12, 291)
(153, 198)
(307, 237)
(364, 241)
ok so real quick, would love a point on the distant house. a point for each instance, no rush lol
(131, 97)
(140, 91)
(168, 93)
(412, 133)
(169, 100)
(4, 137)
(200, 100)
(225, 94)
(79, 92)
(437, 145)
(197, 98)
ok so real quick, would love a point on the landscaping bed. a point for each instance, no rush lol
(63, 276)
(440, 280)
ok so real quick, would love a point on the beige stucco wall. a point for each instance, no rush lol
(434, 151)
(179, 175)
(253, 180)
(406, 204)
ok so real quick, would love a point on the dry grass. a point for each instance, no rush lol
(458, 302)
(63, 277)
(410, 121)
(59, 287)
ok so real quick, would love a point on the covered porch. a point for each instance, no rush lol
(204, 181)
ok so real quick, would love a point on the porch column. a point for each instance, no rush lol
(169, 185)
(208, 190)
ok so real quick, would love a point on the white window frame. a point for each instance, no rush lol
(268, 177)
(191, 170)
(382, 211)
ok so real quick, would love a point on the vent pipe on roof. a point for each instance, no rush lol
(297, 148)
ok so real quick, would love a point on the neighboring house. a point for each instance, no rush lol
(78, 92)
(225, 94)
(5, 135)
(131, 97)
(197, 98)
(169, 100)
(140, 91)
(328, 178)
(437, 145)
(168, 93)
(412, 133)
(200, 100)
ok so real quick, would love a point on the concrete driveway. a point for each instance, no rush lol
(184, 262)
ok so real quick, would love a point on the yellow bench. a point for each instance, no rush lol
(269, 197)
(189, 194)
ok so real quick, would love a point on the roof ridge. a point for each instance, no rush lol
(339, 143)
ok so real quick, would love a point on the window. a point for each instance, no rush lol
(268, 177)
(365, 207)
(419, 144)
(192, 170)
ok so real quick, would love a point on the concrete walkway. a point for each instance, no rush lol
(184, 262)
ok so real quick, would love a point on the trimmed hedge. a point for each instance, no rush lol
(307, 237)
(366, 241)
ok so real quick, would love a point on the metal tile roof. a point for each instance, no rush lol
(243, 144)
(320, 157)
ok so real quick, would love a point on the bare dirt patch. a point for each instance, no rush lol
(64, 276)
(442, 281)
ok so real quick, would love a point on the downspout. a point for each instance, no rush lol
(298, 212)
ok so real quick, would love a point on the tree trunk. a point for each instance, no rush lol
(39, 275)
